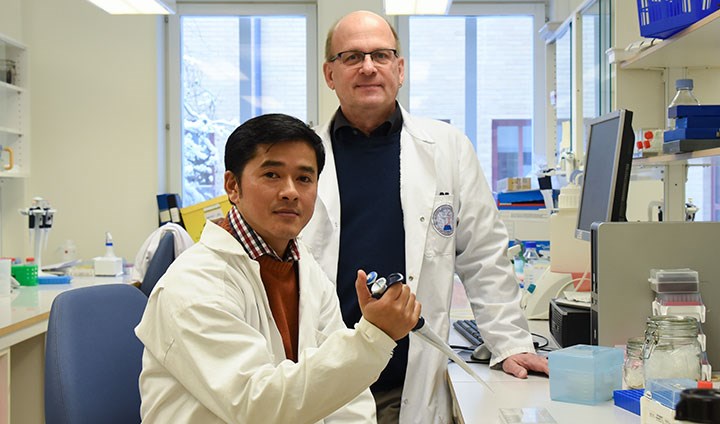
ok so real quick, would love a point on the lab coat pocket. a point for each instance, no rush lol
(441, 231)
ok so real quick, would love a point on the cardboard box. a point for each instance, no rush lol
(514, 184)
(196, 215)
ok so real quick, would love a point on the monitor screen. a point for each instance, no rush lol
(607, 169)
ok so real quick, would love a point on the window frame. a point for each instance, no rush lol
(537, 9)
(173, 151)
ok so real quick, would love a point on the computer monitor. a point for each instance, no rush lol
(606, 177)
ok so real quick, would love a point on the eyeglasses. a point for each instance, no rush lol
(355, 57)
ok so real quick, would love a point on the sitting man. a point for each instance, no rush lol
(245, 326)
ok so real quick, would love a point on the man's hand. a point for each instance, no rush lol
(519, 364)
(395, 313)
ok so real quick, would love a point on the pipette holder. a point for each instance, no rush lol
(40, 218)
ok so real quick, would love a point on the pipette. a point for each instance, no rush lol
(378, 286)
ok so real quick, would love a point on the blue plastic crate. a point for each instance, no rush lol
(663, 18)
(628, 399)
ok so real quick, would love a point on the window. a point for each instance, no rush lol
(229, 63)
(482, 69)
(511, 149)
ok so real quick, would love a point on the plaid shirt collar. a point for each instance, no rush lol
(253, 244)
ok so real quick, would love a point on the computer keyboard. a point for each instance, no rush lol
(468, 329)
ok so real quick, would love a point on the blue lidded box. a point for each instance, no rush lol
(585, 374)
(667, 390)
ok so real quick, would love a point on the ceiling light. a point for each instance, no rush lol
(136, 7)
(417, 7)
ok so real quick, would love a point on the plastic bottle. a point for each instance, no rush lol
(109, 252)
(529, 258)
(683, 96)
(519, 265)
(569, 255)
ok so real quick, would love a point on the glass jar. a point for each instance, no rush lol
(671, 348)
(7, 71)
(633, 366)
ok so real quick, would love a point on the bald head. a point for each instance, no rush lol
(358, 21)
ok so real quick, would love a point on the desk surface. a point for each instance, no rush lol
(476, 404)
(25, 312)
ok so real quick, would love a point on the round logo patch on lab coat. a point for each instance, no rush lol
(443, 220)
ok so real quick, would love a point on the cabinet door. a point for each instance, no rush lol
(5, 386)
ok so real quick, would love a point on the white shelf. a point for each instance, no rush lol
(696, 45)
(15, 111)
(13, 131)
(4, 39)
(10, 87)
(677, 157)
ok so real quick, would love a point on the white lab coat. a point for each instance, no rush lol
(146, 252)
(213, 353)
(436, 158)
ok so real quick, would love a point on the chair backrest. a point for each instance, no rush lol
(92, 357)
(161, 260)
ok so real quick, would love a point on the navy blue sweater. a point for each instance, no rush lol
(372, 235)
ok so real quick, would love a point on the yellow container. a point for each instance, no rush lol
(194, 216)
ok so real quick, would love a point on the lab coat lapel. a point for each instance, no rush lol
(417, 191)
(328, 193)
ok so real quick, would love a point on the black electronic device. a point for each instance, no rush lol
(606, 177)
(569, 326)
(468, 329)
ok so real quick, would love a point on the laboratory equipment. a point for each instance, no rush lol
(568, 254)
(108, 265)
(26, 274)
(690, 210)
(585, 374)
(683, 96)
(531, 261)
(607, 171)
(671, 348)
(698, 406)
(623, 254)
(633, 367)
(628, 399)
(378, 286)
(40, 220)
(667, 391)
(548, 285)
(569, 325)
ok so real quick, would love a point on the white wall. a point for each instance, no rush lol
(329, 11)
(96, 121)
(94, 126)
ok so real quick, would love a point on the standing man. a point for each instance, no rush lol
(406, 194)
(244, 327)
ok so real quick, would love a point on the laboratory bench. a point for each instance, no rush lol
(473, 403)
(23, 324)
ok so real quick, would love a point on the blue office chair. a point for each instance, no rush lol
(161, 260)
(92, 357)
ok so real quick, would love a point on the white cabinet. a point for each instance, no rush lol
(4, 386)
(14, 110)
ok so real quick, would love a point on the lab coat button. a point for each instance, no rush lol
(405, 402)
(411, 278)
(422, 219)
